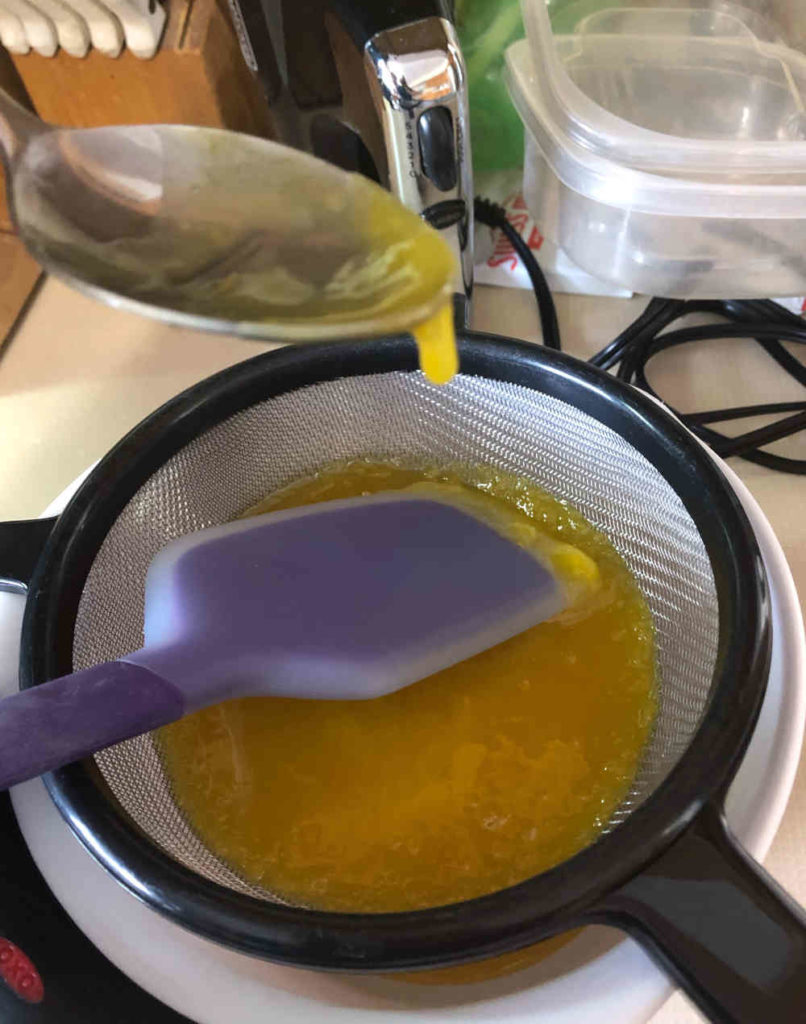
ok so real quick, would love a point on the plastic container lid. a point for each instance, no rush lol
(596, 173)
(677, 87)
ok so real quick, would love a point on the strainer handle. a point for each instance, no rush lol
(48, 726)
(720, 925)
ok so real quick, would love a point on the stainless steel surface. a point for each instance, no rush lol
(414, 70)
(210, 229)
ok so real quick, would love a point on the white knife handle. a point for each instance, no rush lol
(106, 32)
(72, 31)
(143, 24)
(12, 32)
(40, 29)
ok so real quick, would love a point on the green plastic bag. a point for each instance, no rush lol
(486, 28)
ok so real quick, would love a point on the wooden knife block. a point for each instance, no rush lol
(18, 272)
(197, 77)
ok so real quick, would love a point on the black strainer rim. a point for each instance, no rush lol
(563, 897)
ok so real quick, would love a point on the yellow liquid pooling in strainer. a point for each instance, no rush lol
(471, 780)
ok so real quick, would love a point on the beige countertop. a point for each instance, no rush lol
(77, 375)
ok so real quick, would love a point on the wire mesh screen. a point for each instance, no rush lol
(472, 420)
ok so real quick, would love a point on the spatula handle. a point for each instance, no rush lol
(48, 726)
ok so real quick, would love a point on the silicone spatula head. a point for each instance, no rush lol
(341, 600)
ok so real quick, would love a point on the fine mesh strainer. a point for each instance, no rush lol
(665, 870)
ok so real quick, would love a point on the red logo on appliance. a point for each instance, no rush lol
(518, 216)
(19, 973)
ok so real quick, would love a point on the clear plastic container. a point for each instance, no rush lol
(666, 145)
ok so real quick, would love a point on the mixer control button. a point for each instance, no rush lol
(437, 147)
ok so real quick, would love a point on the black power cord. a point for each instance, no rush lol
(760, 320)
(494, 216)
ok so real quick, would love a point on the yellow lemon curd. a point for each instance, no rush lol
(469, 781)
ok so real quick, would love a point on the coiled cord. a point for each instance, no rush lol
(761, 320)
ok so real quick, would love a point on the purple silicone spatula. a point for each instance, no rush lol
(342, 600)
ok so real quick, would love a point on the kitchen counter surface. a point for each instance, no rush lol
(77, 375)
